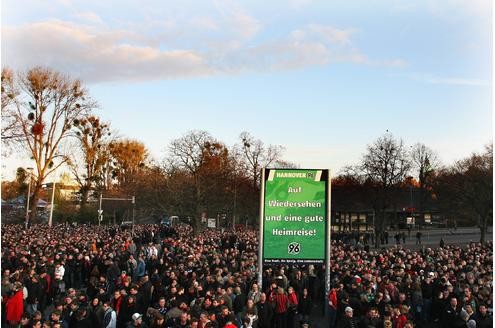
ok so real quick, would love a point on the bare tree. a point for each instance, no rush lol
(258, 156)
(187, 154)
(425, 161)
(92, 136)
(385, 165)
(44, 105)
(466, 188)
(10, 131)
(281, 164)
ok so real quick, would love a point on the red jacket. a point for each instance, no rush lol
(292, 299)
(400, 321)
(48, 280)
(116, 304)
(281, 301)
(332, 297)
(15, 307)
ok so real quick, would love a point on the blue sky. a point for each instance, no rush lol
(321, 78)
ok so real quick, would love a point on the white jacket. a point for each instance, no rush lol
(59, 273)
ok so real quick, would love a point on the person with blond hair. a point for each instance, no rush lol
(14, 306)
(401, 318)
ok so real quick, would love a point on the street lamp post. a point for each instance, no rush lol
(234, 211)
(133, 199)
(411, 208)
(52, 205)
(100, 211)
(235, 199)
(30, 172)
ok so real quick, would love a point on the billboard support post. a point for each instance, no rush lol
(260, 244)
(328, 254)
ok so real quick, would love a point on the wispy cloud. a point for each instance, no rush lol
(239, 20)
(432, 79)
(331, 34)
(96, 55)
(456, 81)
(204, 22)
(394, 63)
(312, 45)
(225, 42)
(449, 9)
(89, 17)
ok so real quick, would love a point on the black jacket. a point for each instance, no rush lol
(84, 323)
(305, 305)
(347, 322)
(265, 314)
(222, 321)
(239, 303)
(368, 322)
(35, 292)
(125, 313)
(451, 317)
(427, 290)
(483, 321)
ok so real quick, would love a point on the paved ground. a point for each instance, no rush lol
(431, 238)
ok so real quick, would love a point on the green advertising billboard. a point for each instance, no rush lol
(295, 215)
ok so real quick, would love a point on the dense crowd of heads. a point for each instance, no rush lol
(394, 286)
(89, 276)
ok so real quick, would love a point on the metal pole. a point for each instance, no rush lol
(410, 193)
(262, 214)
(235, 199)
(328, 241)
(374, 230)
(412, 207)
(28, 197)
(133, 212)
(51, 207)
(99, 210)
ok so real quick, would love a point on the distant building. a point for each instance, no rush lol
(352, 210)
(65, 191)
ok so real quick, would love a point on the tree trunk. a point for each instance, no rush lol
(84, 196)
(196, 223)
(255, 179)
(33, 202)
(483, 227)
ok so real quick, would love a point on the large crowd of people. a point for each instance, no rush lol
(449, 286)
(84, 276)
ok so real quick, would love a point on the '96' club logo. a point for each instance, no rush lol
(294, 248)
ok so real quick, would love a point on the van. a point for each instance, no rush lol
(169, 221)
